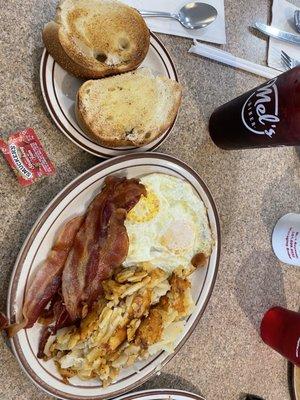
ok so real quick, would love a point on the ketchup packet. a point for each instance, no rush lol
(25, 154)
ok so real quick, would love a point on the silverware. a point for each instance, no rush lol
(192, 15)
(277, 33)
(288, 62)
(297, 20)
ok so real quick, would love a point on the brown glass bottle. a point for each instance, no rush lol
(266, 116)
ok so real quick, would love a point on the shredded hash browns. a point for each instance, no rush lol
(141, 312)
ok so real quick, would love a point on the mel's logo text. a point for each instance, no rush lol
(260, 112)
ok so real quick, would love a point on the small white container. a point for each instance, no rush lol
(286, 239)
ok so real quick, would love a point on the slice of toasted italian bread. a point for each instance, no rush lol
(129, 109)
(97, 38)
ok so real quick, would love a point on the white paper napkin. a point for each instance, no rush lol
(282, 18)
(214, 33)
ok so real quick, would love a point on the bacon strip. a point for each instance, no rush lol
(100, 245)
(47, 281)
(61, 319)
(112, 253)
(56, 314)
(61, 316)
(84, 249)
(85, 253)
(127, 193)
(3, 321)
(45, 334)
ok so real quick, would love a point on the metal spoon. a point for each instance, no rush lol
(192, 16)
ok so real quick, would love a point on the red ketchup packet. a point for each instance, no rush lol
(25, 154)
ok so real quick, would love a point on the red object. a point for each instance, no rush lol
(266, 116)
(47, 281)
(3, 321)
(25, 154)
(280, 329)
(100, 245)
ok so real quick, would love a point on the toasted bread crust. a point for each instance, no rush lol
(62, 42)
(54, 48)
(99, 136)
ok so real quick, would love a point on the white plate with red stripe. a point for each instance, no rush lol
(59, 90)
(72, 201)
(161, 394)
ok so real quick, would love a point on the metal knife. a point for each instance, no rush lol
(277, 33)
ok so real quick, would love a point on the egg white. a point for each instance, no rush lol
(169, 226)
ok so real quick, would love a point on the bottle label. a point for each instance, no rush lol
(260, 112)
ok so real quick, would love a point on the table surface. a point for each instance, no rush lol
(252, 188)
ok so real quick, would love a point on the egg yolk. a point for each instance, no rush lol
(145, 210)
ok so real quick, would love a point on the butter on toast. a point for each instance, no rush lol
(129, 109)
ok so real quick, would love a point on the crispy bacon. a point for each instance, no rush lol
(61, 316)
(85, 253)
(47, 316)
(3, 321)
(113, 250)
(100, 245)
(128, 193)
(47, 281)
(56, 314)
(45, 334)
(84, 250)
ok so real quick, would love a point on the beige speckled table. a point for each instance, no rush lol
(252, 189)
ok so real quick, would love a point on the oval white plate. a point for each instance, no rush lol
(73, 200)
(161, 394)
(59, 90)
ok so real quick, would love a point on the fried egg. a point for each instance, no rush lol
(169, 226)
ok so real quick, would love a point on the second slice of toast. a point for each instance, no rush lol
(129, 109)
